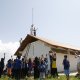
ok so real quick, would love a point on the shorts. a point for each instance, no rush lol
(66, 71)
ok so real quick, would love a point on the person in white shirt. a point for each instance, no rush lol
(32, 30)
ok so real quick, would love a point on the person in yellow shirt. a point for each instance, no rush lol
(54, 67)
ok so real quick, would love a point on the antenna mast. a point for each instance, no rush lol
(32, 16)
(32, 29)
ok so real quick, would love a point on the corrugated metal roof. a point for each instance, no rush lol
(30, 38)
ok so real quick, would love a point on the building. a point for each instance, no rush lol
(33, 46)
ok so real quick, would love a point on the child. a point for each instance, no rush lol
(42, 70)
(66, 65)
(9, 67)
(46, 66)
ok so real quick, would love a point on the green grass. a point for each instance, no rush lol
(63, 78)
(49, 78)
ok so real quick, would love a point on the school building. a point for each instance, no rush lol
(33, 46)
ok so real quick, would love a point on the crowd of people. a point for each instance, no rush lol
(37, 67)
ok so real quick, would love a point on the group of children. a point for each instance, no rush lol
(39, 67)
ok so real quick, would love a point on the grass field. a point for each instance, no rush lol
(49, 78)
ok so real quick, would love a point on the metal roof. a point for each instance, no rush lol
(30, 39)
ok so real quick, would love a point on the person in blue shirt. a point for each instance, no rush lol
(9, 67)
(66, 65)
(13, 69)
(42, 69)
(23, 68)
(18, 67)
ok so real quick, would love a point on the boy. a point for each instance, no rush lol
(66, 65)
(42, 70)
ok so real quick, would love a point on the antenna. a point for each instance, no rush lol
(32, 16)
(31, 29)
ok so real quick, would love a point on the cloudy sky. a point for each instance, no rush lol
(8, 48)
(57, 20)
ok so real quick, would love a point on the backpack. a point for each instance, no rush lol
(42, 68)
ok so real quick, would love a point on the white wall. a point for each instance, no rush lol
(72, 60)
(59, 61)
(38, 48)
(73, 63)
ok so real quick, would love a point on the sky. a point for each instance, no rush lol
(57, 20)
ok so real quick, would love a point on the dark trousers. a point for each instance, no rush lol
(1, 71)
(17, 74)
(54, 72)
(26, 71)
(36, 73)
(22, 72)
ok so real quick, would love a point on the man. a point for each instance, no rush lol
(66, 65)
(32, 30)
